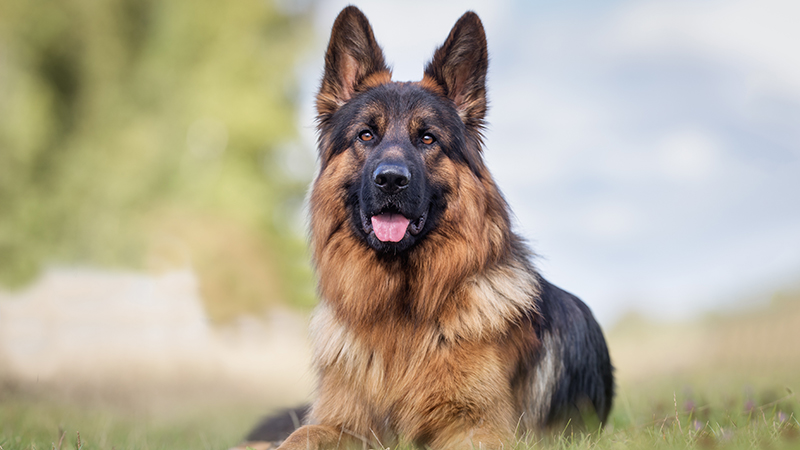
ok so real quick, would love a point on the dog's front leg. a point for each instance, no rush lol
(318, 437)
(480, 437)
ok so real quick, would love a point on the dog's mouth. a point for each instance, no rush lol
(391, 226)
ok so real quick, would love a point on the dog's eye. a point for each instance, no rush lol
(366, 136)
(428, 139)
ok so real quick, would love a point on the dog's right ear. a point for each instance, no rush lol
(353, 57)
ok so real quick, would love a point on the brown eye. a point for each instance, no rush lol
(366, 136)
(428, 139)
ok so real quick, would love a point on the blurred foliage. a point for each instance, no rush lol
(150, 134)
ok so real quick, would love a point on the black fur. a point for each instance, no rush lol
(277, 427)
(397, 100)
(586, 384)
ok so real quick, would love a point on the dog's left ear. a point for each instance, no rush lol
(459, 67)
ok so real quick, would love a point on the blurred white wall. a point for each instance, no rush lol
(117, 330)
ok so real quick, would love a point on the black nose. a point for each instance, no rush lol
(391, 177)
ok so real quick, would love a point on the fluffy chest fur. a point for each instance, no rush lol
(402, 377)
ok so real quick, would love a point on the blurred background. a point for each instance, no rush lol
(155, 155)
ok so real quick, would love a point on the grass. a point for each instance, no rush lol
(729, 423)
(44, 425)
(721, 382)
(643, 417)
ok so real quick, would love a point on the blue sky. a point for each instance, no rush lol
(650, 150)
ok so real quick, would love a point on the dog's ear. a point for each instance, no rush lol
(459, 67)
(353, 57)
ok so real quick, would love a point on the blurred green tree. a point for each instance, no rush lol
(149, 134)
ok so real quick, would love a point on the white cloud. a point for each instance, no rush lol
(759, 36)
(688, 155)
(610, 221)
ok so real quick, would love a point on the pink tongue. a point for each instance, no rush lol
(389, 227)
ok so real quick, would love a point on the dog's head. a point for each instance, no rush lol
(396, 150)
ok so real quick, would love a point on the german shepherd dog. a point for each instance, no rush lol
(433, 329)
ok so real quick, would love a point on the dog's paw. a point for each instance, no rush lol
(260, 445)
